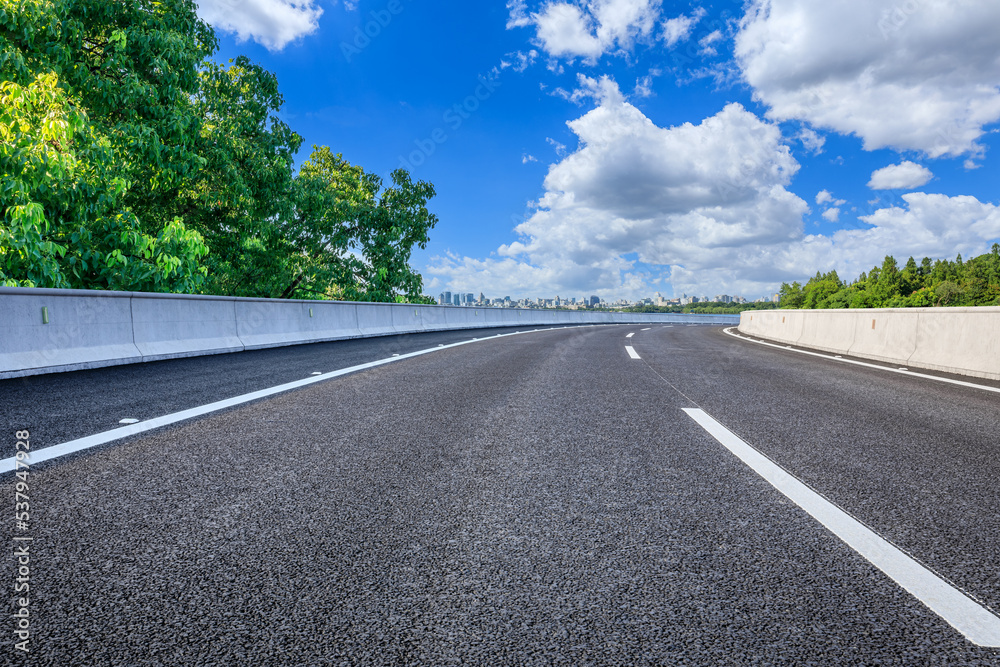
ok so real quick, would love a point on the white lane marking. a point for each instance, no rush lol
(316, 373)
(631, 352)
(975, 622)
(129, 420)
(646, 329)
(630, 335)
(90, 441)
(961, 383)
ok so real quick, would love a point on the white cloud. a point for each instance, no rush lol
(272, 23)
(679, 29)
(703, 206)
(812, 141)
(518, 14)
(921, 80)
(903, 176)
(826, 197)
(706, 43)
(523, 60)
(643, 87)
(525, 159)
(564, 30)
(587, 30)
(931, 225)
(690, 198)
(559, 148)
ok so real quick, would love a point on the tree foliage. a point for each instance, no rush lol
(930, 283)
(132, 162)
(352, 238)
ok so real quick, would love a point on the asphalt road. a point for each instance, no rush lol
(533, 499)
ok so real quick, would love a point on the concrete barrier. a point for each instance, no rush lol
(834, 333)
(882, 335)
(167, 328)
(48, 331)
(963, 341)
(375, 319)
(89, 329)
(407, 320)
(263, 323)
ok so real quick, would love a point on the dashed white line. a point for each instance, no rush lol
(975, 622)
(646, 329)
(631, 352)
(630, 335)
(901, 371)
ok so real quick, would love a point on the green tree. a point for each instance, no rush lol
(791, 296)
(70, 171)
(238, 199)
(352, 239)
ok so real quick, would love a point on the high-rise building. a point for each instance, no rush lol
(594, 301)
(445, 299)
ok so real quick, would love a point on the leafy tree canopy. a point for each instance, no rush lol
(975, 282)
(132, 162)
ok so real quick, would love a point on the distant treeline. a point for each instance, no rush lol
(942, 282)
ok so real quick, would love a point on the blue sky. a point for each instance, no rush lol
(626, 147)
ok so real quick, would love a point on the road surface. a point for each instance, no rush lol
(549, 497)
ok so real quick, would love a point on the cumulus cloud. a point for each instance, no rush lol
(679, 29)
(689, 198)
(826, 197)
(565, 30)
(922, 80)
(903, 176)
(526, 158)
(812, 141)
(701, 208)
(271, 23)
(586, 30)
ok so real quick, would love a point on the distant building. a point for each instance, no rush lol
(445, 299)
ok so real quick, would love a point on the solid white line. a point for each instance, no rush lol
(90, 441)
(630, 335)
(901, 371)
(631, 352)
(646, 329)
(975, 622)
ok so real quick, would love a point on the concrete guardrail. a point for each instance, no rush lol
(963, 341)
(48, 331)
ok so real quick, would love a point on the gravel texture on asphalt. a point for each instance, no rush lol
(533, 500)
(65, 406)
